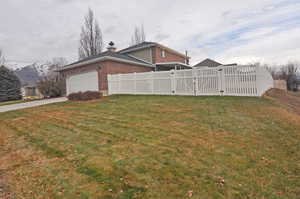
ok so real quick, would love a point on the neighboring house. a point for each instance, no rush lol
(29, 77)
(31, 91)
(211, 63)
(90, 74)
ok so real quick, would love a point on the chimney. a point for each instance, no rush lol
(187, 60)
(111, 47)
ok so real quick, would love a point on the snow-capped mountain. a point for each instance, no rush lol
(29, 73)
(16, 65)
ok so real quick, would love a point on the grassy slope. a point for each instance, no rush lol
(152, 147)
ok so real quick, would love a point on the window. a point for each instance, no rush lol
(163, 53)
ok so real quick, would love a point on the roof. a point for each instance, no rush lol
(144, 44)
(107, 55)
(147, 44)
(173, 64)
(208, 63)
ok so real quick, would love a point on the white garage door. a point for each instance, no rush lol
(82, 82)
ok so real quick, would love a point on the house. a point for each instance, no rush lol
(211, 63)
(29, 91)
(29, 78)
(90, 74)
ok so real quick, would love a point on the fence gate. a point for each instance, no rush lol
(219, 81)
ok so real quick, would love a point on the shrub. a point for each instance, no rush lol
(84, 96)
(52, 87)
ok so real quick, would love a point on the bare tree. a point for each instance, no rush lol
(139, 35)
(273, 70)
(2, 59)
(56, 64)
(276, 72)
(288, 72)
(91, 42)
(53, 84)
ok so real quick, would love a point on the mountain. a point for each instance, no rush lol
(31, 73)
(28, 75)
(16, 65)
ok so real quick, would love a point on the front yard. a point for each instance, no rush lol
(152, 147)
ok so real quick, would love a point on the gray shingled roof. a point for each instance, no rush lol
(208, 63)
(141, 45)
(108, 54)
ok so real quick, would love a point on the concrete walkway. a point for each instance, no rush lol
(19, 106)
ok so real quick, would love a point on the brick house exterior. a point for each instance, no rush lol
(144, 57)
(169, 56)
(110, 67)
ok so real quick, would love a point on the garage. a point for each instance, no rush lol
(87, 81)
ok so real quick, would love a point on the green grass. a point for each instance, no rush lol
(152, 147)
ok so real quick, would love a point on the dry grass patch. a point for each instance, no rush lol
(152, 147)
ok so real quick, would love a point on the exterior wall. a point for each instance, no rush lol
(169, 56)
(144, 54)
(31, 92)
(105, 68)
(112, 67)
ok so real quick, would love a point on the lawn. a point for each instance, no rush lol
(152, 147)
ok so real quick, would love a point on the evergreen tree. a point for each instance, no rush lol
(10, 85)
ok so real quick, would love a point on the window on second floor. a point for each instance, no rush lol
(163, 53)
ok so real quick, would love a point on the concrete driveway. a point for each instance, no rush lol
(19, 106)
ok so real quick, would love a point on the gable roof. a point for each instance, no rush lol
(208, 63)
(142, 45)
(107, 55)
(147, 44)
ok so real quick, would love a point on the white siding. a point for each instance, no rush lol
(87, 81)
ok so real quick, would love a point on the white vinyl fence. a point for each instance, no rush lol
(223, 80)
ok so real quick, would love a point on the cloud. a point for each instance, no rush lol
(284, 46)
(230, 30)
(160, 37)
(258, 33)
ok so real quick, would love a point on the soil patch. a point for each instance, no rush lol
(4, 190)
(289, 99)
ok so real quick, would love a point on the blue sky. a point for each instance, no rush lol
(228, 31)
(269, 21)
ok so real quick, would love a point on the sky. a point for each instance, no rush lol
(231, 31)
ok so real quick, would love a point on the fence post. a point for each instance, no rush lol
(152, 82)
(221, 80)
(134, 77)
(173, 82)
(119, 83)
(258, 78)
(195, 81)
